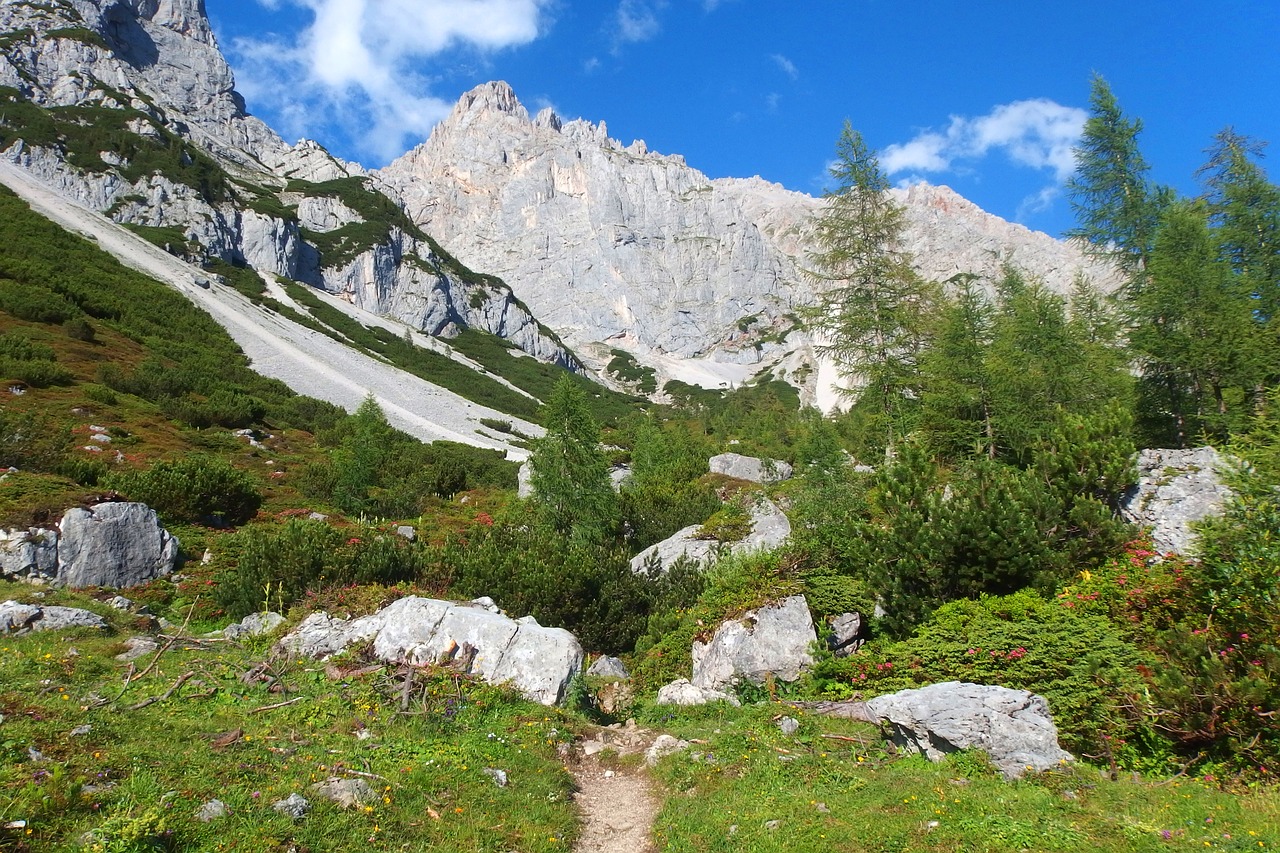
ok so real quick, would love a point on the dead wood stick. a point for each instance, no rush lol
(276, 705)
(857, 740)
(182, 679)
(168, 645)
(365, 775)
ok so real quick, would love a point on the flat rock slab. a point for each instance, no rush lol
(18, 618)
(1013, 727)
(749, 468)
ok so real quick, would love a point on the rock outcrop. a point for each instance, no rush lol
(29, 555)
(1013, 727)
(684, 692)
(1175, 489)
(770, 529)
(770, 641)
(749, 468)
(537, 661)
(113, 545)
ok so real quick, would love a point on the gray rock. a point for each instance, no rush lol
(18, 618)
(295, 806)
(499, 777)
(136, 647)
(682, 692)
(770, 529)
(253, 625)
(212, 810)
(113, 545)
(539, 662)
(119, 602)
(1013, 727)
(82, 730)
(1175, 489)
(848, 633)
(663, 746)
(770, 641)
(608, 667)
(347, 793)
(788, 726)
(524, 481)
(749, 468)
(30, 554)
(406, 531)
(683, 544)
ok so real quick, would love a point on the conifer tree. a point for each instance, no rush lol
(871, 305)
(1113, 199)
(570, 474)
(957, 388)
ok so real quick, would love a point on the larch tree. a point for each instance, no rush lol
(871, 302)
(1116, 206)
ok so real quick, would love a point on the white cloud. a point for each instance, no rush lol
(356, 62)
(788, 67)
(637, 20)
(1039, 134)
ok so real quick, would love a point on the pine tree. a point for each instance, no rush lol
(1115, 204)
(570, 474)
(871, 304)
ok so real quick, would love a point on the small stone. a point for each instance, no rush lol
(663, 746)
(35, 755)
(932, 825)
(823, 808)
(295, 806)
(212, 810)
(499, 777)
(608, 774)
(347, 793)
(406, 531)
(789, 726)
(80, 731)
(771, 825)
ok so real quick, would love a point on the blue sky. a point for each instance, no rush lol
(986, 97)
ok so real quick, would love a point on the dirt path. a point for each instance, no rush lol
(617, 799)
(618, 808)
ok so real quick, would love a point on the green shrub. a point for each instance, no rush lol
(304, 556)
(34, 303)
(1081, 663)
(32, 442)
(194, 489)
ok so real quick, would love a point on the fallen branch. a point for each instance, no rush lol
(132, 676)
(856, 740)
(182, 679)
(365, 775)
(277, 705)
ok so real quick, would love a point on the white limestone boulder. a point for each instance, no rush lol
(770, 641)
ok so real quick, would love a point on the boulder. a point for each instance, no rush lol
(113, 545)
(684, 543)
(29, 555)
(537, 661)
(18, 618)
(347, 793)
(770, 528)
(1175, 489)
(682, 692)
(664, 745)
(848, 633)
(749, 468)
(773, 640)
(1013, 727)
(608, 667)
(253, 625)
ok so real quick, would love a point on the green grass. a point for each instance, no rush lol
(624, 366)
(148, 770)
(746, 787)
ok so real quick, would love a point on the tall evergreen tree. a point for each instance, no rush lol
(1195, 332)
(871, 302)
(956, 401)
(570, 474)
(1114, 202)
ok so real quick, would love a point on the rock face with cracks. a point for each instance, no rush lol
(1175, 489)
(770, 641)
(1013, 727)
(113, 545)
(539, 662)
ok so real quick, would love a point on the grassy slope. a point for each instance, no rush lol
(150, 769)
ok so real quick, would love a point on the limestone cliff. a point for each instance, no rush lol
(612, 242)
(129, 107)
